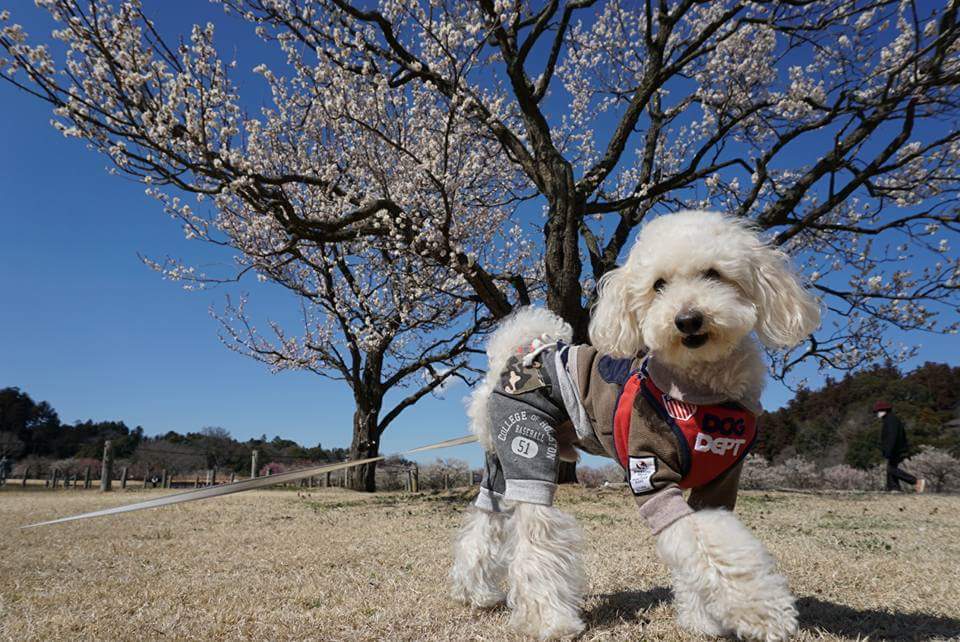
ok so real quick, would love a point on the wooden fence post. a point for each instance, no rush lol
(168, 482)
(409, 479)
(86, 477)
(196, 484)
(416, 478)
(209, 481)
(326, 481)
(123, 477)
(446, 480)
(254, 460)
(56, 476)
(106, 471)
(26, 472)
(233, 477)
(163, 478)
(213, 478)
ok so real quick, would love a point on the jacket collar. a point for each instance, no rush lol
(684, 389)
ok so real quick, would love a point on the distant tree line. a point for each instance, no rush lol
(836, 424)
(34, 428)
(33, 433)
(831, 426)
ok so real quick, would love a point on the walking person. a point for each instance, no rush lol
(893, 443)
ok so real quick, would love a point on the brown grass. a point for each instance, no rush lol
(346, 566)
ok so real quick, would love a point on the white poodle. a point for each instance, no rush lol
(670, 389)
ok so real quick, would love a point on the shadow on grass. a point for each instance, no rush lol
(625, 607)
(846, 621)
(628, 607)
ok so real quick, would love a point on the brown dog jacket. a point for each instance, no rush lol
(666, 435)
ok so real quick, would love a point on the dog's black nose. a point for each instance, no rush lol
(689, 322)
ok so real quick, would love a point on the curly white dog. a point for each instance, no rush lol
(670, 389)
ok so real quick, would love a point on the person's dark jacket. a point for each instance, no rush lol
(893, 439)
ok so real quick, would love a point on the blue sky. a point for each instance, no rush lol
(86, 326)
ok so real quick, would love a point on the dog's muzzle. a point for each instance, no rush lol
(694, 341)
(689, 322)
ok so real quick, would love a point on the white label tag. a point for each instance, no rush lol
(524, 447)
(641, 474)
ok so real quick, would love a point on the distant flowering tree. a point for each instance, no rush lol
(78, 466)
(938, 467)
(273, 468)
(843, 477)
(374, 321)
(411, 124)
(154, 455)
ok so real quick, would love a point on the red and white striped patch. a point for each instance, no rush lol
(679, 410)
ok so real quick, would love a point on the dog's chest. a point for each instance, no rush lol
(635, 421)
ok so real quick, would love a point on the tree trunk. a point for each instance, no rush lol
(365, 444)
(562, 261)
(563, 272)
(567, 473)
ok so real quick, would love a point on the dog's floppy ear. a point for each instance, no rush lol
(787, 313)
(614, 326)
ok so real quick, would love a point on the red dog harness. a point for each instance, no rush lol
(712, 439)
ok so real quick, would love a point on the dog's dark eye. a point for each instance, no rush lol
(658, 285)
(711, 274)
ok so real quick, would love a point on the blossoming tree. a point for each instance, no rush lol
(377, 323)
(831, 124)
(373, 316)
(381, 307)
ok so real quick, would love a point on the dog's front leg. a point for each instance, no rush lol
(546, 578)
(725, 579)
(479, 559)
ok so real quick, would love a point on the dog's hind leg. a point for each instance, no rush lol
(546, 578)
(479, 562)
(725, 579)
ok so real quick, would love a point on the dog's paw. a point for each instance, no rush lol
(699, 621)
(487, 599)
(459, 594)
(692, 614)
(550, 625)
(769, 619)
(566, 629)
(481, 598)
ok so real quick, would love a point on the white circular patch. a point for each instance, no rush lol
(524, 447)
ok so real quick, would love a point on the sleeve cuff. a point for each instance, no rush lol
(532, 491)
(490, 501)
(664, 508)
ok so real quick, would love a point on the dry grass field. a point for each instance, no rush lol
(345, 566)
